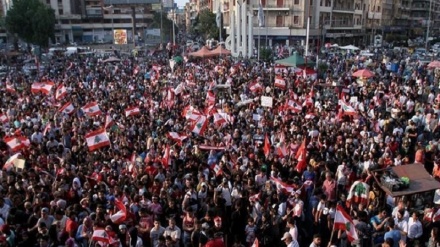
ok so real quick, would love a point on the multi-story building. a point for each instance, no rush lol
(339, 21)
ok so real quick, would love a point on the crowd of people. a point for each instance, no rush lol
(131, 151)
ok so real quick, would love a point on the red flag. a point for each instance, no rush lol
(266, 147)
(166, 157)
(301, 157)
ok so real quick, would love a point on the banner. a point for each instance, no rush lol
(206, 147)
(120, 36)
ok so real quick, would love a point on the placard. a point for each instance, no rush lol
(266, 101)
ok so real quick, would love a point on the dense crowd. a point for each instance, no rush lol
(131, 152)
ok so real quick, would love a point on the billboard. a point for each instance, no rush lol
(120, 36)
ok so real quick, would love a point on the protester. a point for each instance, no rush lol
(132, 152)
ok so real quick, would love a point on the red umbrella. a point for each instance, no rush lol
(365, 73)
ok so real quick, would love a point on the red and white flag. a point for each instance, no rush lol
(219, 120)
(36, 87)
(9, 164)
(67, 108)
(46, 87)
(132, 111)
(176, 137)
(280, 82)
(309, 116)
(210, 98)
(344, 222)
(301, 157)
(281, 151)
(10, 88)
(358, 193)
(3, 118)
(292, 105)
(166, 157)
(347, 109)
(255, 87)
(61, 92)
(120, 216)
(101, 235)
(217, 169)
(281, 186)
(190, 113)
(91, 109)
(436, 216)
(14, 143)
(108, 121)
(97, 139)
(199, 125)
(46, 129)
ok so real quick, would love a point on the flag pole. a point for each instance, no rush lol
(259, 40)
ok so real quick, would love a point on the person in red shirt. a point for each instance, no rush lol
(71, 224)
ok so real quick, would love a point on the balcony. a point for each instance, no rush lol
(270, 7)
(94, 13)
(343, 9)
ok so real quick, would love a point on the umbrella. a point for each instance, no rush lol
(112, 59)
(178, 59)
(294, 61)
(365, 73)
(434, 64)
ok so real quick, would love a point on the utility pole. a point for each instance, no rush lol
(428, 26)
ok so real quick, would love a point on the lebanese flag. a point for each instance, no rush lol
(10, 88)
(91, 109)
(120, 216)
(309, 116)
(14, 143)
(36, 87)
(347, 109)
(169, 99)
(255, 87)
(219, 120)
(179, 89)
(256, 243)
(344, 222)
(217, 169)
(210, 98)
(61, 92)
(199, 125)
(190, 113)
(266, 147)
(282, 151)
(132, 111)
(308, 101)
(281, 186)
(166, 157)
(46, 129)
(46, 87)
(108, 121)
(280, 82)
(301, 157)
(176, 137)
(9, 164)
(67, 108)
(24, 141)
(4, 118)
(101, 235)
(292, 105)
(358, 193)
(97, 139)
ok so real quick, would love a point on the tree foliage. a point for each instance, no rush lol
(32, 21)
(206, 24)
(167, 24)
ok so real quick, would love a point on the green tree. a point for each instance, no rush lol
(207, 25)
(167, 25)
(32, 21)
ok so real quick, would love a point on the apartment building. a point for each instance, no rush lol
(339, 21)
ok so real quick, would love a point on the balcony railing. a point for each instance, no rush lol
(342, 8)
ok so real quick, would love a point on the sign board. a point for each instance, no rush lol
(156, 6)
(120, 36)
(266, 101)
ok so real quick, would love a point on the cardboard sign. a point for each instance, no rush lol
(266, 101)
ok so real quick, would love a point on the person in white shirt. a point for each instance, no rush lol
(287, 239)
(401, 224)
(415, 228)
(173, 231)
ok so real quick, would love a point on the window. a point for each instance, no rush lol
(296, 2)
(60, 11)
(295, 19)
(279, 21)
(64, 21)
(328, 3)
(378, 8)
